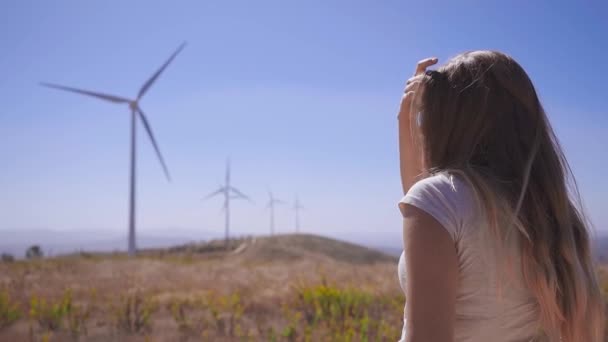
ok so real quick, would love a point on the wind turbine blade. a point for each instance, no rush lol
(142, 116)
(217, 192)
(153, 78)
(240, 194)
(106, 97)
(278, 201)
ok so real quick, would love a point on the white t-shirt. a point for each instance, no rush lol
(485, 311)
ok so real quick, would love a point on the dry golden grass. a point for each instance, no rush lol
(286, 288)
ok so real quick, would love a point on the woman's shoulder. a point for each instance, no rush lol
(448, 184)
(447, 196)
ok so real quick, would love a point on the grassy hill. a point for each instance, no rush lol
(289, 248)
(283, 288)
(314, 247)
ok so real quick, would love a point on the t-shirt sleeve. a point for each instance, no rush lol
(439, 197)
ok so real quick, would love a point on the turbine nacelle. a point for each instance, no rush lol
(134, 106)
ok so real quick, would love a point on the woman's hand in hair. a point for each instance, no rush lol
(410, 156)
(407, 100)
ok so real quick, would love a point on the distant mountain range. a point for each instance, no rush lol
(52, 242)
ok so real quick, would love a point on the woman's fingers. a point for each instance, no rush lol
(412, 86)
(425, 63)
(409, 94)
(415, 79)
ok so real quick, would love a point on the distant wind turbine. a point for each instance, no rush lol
(229, 192)
(136, 112)
(271, 203)
(297, 206)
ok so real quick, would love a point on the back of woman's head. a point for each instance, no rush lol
(481, 116)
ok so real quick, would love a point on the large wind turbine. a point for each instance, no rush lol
(229, 192)
(271, 203)
(136, 112)
(297, 206)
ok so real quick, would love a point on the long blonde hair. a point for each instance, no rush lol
(481, 116)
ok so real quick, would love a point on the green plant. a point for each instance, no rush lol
(133, 312)
(9, 310)
(86, 255)
(324, 302)
(50, 315)
(272, 335)
(344, 314)
(62, 314)
(226, 311)
(193, 316)
(77, 318)
(7, 257)
(46, 337)
(290, 332)
(364, 327)
(178, 310)
(34, 252)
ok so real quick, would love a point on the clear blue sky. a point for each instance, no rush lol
(301, 95)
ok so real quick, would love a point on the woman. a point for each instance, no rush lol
(494, 247)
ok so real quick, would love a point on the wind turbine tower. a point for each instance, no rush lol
(297, 206)
(272, 201)
(136, 113)
(228, 192)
